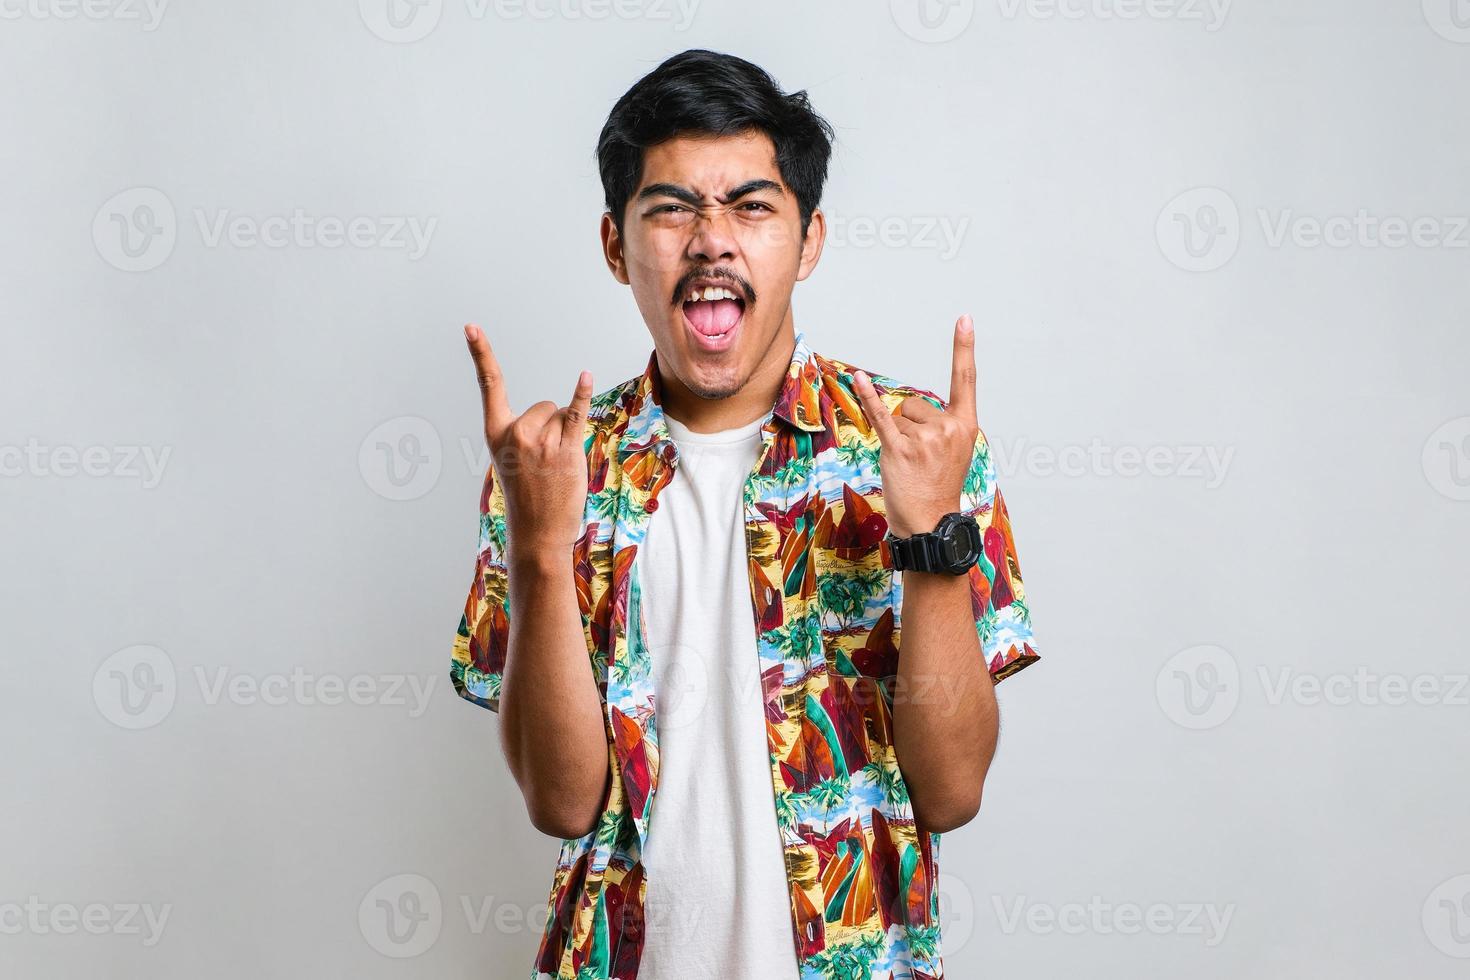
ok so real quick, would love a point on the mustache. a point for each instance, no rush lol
(723, 277)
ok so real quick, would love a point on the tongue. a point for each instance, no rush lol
(713, 316)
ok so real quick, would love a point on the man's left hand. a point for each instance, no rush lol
(925, 452)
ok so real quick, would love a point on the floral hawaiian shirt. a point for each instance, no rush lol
(862, 873)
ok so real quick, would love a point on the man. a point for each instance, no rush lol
(743, 661)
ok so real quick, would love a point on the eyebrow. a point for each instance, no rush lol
(689, 197)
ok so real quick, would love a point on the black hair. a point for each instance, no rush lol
(700, 91)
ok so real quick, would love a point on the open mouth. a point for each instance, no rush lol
(714, 315)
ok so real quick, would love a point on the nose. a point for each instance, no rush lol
(712, 240)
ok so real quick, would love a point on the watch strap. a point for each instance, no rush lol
(924, 552)
(917, 552)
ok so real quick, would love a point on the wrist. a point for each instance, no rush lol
(901, 529)
(538, 557)
(951, 547)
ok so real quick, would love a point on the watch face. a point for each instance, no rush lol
(959, 541)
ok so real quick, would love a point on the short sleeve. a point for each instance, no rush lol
(997, 594)
(478, 658)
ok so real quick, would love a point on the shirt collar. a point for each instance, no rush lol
(798, 403)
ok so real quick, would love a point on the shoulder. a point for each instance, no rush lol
(838, 384)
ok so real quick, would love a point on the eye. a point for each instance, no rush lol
(756, 204)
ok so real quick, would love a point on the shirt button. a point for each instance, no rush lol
(651, 504)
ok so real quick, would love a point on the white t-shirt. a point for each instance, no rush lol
(716, 904)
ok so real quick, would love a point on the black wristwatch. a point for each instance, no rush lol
(953, 546)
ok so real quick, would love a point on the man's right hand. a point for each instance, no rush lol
(538, 456)
(553, 726)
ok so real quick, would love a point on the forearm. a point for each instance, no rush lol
(945, 719)
(552, 726)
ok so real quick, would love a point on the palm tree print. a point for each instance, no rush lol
(988, 624)
(975, 479)
(610, 827)
(889, 781)
(829, 793)
(786, 815)
(793, 473)
(492, 529)
(604, 503)
(848, 961)
(924, 941)
(1021, 610)
(857, 456)
(796, 639)
(846, 596)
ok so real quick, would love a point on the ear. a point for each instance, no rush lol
(612, 249)
(811, 246)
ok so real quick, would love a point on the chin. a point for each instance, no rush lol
(710, 381)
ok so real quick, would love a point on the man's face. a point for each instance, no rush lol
(713, 212)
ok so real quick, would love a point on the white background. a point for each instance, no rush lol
(1186, 233)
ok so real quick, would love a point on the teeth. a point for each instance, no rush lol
(707, 293)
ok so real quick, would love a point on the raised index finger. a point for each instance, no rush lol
(962, 373)
(492, 383)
